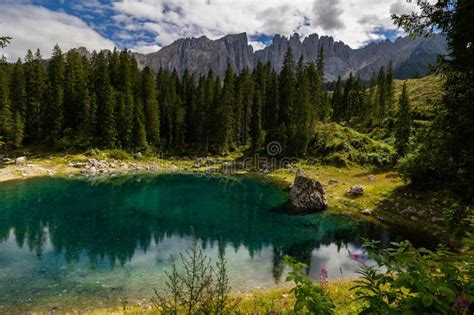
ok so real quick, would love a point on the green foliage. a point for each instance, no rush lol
(403, 124)
(118, 154)
(450, 140)
(4, 41)
(310, 297)
(341, 146)
(415, 281)
(196, 286)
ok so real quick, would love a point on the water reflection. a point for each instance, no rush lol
(122, 220)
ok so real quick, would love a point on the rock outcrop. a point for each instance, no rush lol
(198, 55)
(307, 195)
(410, 57)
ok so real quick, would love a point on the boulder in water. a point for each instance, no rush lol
(307, 195)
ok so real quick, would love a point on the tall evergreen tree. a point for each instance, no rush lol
(35, 85)
(105, 100)
(287, 98)
(224, 113)
(18, 101)
(347, 99)
(272, 107)
(6, 116)
(403, 123)
(381, 94)
(303, 118)
(53, 122)
(150, 106)
(388, 85)
(18, 89)
(126, 100)
(256, 128)
(337, 108)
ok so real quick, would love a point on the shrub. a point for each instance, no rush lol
(341, 146)
(310, 297)
(198, 287)
(118, 154)
(416, 281)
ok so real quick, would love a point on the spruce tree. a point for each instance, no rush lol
(224, 113)
(337, 109)
(381, 94)
(35, 85)
(256, 129)
(18, 129)
(178, 112)
(105, 100)
(287, 95)
(150, 108)
(18, 101)
(6, 116)
(388, 85)
(272, 107)
(53, 120)
(403, 123)
(347, 99)
(303, 118)
(18, 89)
(126, 100)
(76, 92)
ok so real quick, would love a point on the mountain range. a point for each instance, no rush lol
(410, 57)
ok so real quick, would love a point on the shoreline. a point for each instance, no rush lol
(386, 199)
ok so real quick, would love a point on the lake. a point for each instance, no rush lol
(84, 242)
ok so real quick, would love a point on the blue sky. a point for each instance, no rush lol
(147, 25)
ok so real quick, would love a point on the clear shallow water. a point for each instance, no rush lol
(80, 242)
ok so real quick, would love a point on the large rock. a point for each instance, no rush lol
(20, 160)
(307, 195)
(355, 191)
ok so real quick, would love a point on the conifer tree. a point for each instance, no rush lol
(257, 132)
(303, 118)
(126, 100)
(346, 103)
(272, 107)
(18, 129)
(6, 116)
(188, 95)
(381, 94)
(76, 97)
(337, 109)
(150, 108)
(287, 98)
(35, 85)
(18, 101)
(403, 123)
(178, 112)
(53, 121)
(224, 113)
(18, 89)
(243, 105)
(388, 85)
(105, 100)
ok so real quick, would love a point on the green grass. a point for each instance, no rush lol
(423, 93)
(273, 301)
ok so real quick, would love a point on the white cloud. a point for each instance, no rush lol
(352, 21)
(33, 27)
(144, 48)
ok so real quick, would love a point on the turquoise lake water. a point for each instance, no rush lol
(85, 242)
